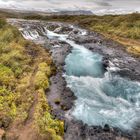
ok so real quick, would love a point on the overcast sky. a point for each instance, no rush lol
(93, 5)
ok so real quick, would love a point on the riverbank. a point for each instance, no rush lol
(60, 97)
(25, 69)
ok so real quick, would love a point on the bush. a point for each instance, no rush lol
(2, 23)
(41, 81)
(41, 78)
(6, 76)
(44, 68)
(21, 83)
(7, 103)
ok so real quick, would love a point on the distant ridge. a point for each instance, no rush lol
(79, 12)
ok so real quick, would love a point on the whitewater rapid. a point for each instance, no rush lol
(103, 97)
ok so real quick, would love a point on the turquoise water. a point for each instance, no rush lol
(109, 100)
(82, 62)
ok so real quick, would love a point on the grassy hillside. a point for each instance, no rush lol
(25, 69)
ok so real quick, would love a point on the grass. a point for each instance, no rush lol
(25, 69)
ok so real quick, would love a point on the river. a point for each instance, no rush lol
(103, 96)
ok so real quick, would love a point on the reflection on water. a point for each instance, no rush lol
(96, 6)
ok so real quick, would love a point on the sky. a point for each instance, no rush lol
(96, 6)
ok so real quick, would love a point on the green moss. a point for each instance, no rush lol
(2, 23)
(45, 68)
(41, 78)
(9, 34)
(41, 81)
(57, 101)
(7, 103)
(6, 76)
(44, 121)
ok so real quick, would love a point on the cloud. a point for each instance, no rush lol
(56, 5)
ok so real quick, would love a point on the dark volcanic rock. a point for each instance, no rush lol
(105, 62)
(76, 130)
(106, 128)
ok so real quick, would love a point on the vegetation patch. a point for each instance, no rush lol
(45, 122)
(25, 69)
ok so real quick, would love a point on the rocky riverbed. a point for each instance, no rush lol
(60, 96)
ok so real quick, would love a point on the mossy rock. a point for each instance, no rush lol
(57, 101)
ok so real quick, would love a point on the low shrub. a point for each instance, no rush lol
(25, 69)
